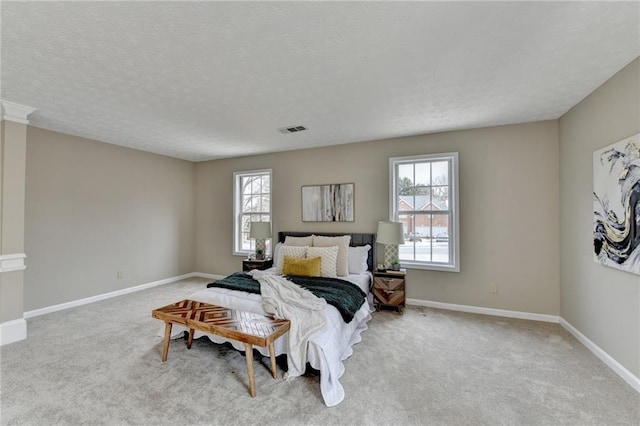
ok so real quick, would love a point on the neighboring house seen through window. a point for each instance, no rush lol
(252, 203)
(424, 198)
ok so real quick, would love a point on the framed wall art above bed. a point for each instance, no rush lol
(328, 203)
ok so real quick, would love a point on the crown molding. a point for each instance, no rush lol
(15, 112)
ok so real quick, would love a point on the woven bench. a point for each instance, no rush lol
(246, 327)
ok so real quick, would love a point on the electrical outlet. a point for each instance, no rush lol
(120, 275)
(493, 288)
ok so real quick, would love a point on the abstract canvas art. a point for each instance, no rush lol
(328, 203)
(616, 205)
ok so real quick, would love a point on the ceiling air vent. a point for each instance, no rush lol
(292, 129)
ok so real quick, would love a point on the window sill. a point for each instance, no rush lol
(430, 266)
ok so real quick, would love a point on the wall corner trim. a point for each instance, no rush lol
(12, 262)
(484, 311)
(610, 362)
(13, 331)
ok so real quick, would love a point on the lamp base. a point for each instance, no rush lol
(261, 248)
(390, 254)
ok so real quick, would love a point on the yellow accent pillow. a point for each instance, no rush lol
(295, 266)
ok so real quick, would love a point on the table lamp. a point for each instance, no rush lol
(260, 231)
(391, 234)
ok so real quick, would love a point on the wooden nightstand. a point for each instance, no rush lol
(388, 289)
(249, 265)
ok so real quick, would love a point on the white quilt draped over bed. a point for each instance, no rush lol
(286, 300)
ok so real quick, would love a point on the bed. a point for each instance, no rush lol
(328, 348)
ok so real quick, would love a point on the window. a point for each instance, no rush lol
(252, 203)
(424, 198)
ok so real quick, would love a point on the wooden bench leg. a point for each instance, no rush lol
(272, 355)
(190, 341)
(167, 339)
(252, 380)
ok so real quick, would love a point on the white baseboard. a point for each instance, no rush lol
(13, 331)
(485, 311)
(67, 305)
(16, 330)
(609, 361)
(210, 276)
(618, 368)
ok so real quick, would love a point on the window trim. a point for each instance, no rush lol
(454, 252)
(237, 207)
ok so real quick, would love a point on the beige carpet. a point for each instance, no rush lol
(100, 364)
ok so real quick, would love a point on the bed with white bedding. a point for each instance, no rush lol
(329, 347)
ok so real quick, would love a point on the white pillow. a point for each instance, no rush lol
(358, 259)
(328, 262)
(275, 256)
(298, 241)
(342, 265)
(291, 251)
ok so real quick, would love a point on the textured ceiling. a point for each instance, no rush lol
(207, 80)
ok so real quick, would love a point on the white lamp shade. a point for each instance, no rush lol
(260, 230)
(390, 233)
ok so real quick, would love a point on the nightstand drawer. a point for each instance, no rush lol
(250, 265)
(389, 284)
(389, 298)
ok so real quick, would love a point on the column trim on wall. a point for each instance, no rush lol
(13, 331)
(12, 262)
(15, 112)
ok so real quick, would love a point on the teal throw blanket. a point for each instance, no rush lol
(345, 296)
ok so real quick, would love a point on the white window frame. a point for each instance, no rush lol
(454, 220)
(238, 213)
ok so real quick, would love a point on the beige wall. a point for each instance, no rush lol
(603, 303)
(93, 209)
(509, 203)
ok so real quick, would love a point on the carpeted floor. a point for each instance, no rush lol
(100, 364)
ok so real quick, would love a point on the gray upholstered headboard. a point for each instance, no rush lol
(356, 240)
